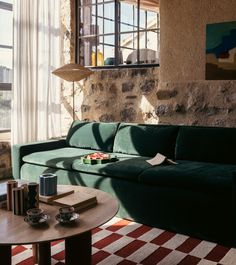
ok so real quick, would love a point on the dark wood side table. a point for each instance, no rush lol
(15, 231)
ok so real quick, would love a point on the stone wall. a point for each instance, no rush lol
(209, 103)
(5, 160)
(127, 95)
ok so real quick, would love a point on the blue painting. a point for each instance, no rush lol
(221, 51)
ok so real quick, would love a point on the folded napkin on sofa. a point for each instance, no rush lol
(159, 159)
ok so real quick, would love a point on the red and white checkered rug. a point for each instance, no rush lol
(126, 243)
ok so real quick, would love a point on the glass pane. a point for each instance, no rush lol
(5, 110)
(142, 40)
(129, 56)
(100, 56)
(102, 1)
(129, 40)
(109, 55)
(109, 39)
(149, 43)
(128, 17)
(5, 65)
(109, 11)
(86, 2)
(153, 43)
(100, 9)
(6, 22)
(7, 1)
(87, 48)
(100, 26)
(109, 18)
(152, 40)
(152, 20)
(128, 46)
(142, 19)
(87, 21)
(109, 26)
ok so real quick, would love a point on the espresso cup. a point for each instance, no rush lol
(66, 213)
(34, 215)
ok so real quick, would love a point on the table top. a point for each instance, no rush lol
(15, 231)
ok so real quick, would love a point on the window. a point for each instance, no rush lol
(117, 33)
(6, 33)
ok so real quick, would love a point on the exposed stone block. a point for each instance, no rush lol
(127, 87)
(106, 118)
(147, 86)
(131, 97)
(166, 94)
(141, 71)
(162, 110)
(5, 160)
(128, 115)
(113, 88)
(179, 108)
(85, 108)
(100, 87)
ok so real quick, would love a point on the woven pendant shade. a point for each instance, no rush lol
(72, 72)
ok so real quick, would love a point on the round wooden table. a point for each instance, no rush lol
(15, 231)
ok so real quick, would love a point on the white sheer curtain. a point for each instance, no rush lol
(36, 53)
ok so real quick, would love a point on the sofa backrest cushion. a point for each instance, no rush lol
(92, 135)
(206, 144)
(146, 139)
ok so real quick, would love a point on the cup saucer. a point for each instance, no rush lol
(42, 220)
(74, 217)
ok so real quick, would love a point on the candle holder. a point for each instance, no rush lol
(48, 184)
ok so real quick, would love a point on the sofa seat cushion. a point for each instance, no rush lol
(92, 135)
(145, 139)
(127, 167)
(190, 175)
(57, 158)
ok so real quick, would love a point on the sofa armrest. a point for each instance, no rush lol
(21, 150)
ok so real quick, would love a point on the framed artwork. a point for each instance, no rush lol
(221, 51)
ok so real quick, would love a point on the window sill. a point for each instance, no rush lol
(110, 67)
(5, 136)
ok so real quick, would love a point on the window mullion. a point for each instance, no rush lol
(117, 30)
(77, 15)
(96, 33)
(103, 29)
(138, 33)
(146, 29)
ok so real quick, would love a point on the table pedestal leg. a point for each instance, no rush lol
(78, 249)
(35, 253)
(44, 253)
(5, 255)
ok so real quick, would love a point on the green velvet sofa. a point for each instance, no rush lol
(194, 197)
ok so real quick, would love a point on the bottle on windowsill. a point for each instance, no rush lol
(100, 59)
